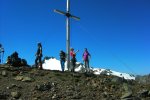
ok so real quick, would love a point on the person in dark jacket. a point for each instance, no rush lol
(62, 59)
(39, 57)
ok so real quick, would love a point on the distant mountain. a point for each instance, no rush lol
(143, 79)
(54, 64)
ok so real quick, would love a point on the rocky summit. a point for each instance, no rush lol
(26, 83)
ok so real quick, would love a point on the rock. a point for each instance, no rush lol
(149, 93)
(126, 95)
(13, 86)
(23, 78)
(15, 94)
(126, 87)
(54, 96)
(18, 78)
(143, 93)
(77, 75)
(117, 80)
(129, 99)
(43, 87)
(27, 79)
(4, 73)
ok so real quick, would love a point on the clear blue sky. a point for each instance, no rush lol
(116, 32)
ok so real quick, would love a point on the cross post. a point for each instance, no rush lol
(68, 15)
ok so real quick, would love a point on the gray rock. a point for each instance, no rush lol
(27, 79)
(149, 93)
(14, 86)
(126, 95)
(127, 87)
(15, 94)
(44, 87)
(23, 78)
(143, 93)
(54, 96)
(18, 78)
(4, 73)
(127, 99)
(117, 80)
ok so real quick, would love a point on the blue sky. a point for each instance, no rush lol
(116, 32)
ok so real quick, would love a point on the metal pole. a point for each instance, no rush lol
(68, 35)
(68, 15)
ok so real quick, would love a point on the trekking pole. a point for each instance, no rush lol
(2, 54)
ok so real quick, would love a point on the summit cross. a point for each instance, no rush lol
(68, 15)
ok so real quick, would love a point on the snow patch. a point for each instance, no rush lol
(54, 64)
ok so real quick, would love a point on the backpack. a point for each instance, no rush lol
(62, 56)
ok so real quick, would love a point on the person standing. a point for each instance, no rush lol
(86, 56)
(62, 59)
(73, 59)
(38, 60)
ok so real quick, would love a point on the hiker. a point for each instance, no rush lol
(86, 56)
(73, 59)
(62, 59)
(39, 56)
(8, 61)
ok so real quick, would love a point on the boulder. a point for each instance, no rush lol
(117, 80)
(126, 95)
(15, 94)
(143, 93)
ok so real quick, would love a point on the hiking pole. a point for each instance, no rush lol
(2, 50)
(0, 55)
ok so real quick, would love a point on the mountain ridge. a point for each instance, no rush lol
(54, 64)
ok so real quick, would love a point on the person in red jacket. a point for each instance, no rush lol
(73, 59)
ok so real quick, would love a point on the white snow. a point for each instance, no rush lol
(54, 64)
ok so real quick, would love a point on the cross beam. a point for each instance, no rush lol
(68, 15)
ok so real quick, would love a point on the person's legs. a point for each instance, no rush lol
(73, 64)
(88, 67)
(36, 63)
(40, 62)
(62, 65)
